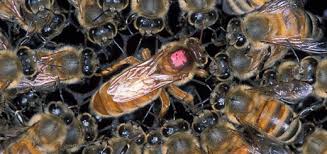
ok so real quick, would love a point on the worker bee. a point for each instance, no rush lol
(316, 142)
(178, 138)
(201, 14)
(98, 23)
(66, 65)
(310, 71)
(130, 139)
(41, 17)
(175, 64)
(279, 23)
(80, 129)
(269, 116)
(15, 67)
(234, 7)
(150, 15)
(45, 133)
(154, 141)
(216, 137)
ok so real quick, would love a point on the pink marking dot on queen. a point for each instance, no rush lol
(179, 58)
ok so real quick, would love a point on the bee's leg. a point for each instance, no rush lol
(165, 102)
(128, 60)
(201, 73)
(146, 54)
(180, 94)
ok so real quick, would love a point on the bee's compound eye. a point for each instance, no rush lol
(140, 139)
(240, 40)
(167, 131)
(154, 139)
(198, 128)
(184, 126)
(123, 131)
(68, 118)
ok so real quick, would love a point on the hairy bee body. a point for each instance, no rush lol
(201, 13)
(46, 133)
(151, 15)
(216, 137)
(268, 115)
(42, 17)
(144, 82)
(316, 142)
(286, 23)
(100, 26)
(237, 7)
(178, 138)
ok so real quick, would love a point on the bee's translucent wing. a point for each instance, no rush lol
(138, 81)
(10, 9)
(309, 45)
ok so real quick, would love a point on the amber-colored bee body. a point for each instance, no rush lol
(268, 115)
(175, 64)
(316, 142)
(236, 7)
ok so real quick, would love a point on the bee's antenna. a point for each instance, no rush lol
(120, 48)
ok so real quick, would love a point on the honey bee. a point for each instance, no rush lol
(98, 24)
(234, 7)
(130, 139)
(217, 137)
(66, 65)
(269, 116)
(150, 15)
(178, 138)
(310, 71)
(46, 133)
(79, 130)
(278, 23)
(316, 142)
(15, 67)
(154, 141)
(41, 17)
(174, 64)
(201, 14)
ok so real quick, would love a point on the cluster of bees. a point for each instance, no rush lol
(262, 64)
